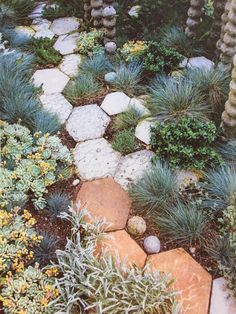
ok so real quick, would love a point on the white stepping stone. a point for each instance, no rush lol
(58, 104)
(197, 62)
(38, 11)
(70, 64)
(221, 302)
(44, 34)
(51, 80)
(143, 130)
(87, 123)
(24, 31)
(95, 159)
(138, 105)
(40, 24)
(67, 44)
(115, 103)
(64, 25)
(132, 166)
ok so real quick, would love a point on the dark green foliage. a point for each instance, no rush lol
(127, 119)
(155, 191)
(184, 224)
(213, 85)
(84, 85)
(128, 77)
(64, 8)
(124, 142)
(57, 203)
(221, 188)
(159, 59)
(46, 250)
(43, 50)
(171, 99)
(97, 65)
(174, 37)
(187, 143)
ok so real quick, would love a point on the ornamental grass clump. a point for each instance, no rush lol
(228, 151)
(176, 98)
(30, 164)
(155, 191)
(88, 283)
(126, 120)
(97, 65)
(57, 202)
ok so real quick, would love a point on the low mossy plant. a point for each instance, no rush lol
(127, 119)
(125, 141)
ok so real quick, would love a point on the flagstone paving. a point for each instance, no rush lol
(70, 64)
(64, 25)
(66, 44)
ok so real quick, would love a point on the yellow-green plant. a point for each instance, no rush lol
(90, 43)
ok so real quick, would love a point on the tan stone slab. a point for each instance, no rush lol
(119, 243)
(105, 199)
(191, 279)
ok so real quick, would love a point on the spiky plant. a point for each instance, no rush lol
(97, 65)
(83, 85)
(14, 10)
(156, 190)
(128, 77)
(57, 203)
(213, 84)
(125, 141)
(185, 224)
(176, 98)
(127, 119)
(221, 188)
(228, 151)
(45, 252)
(45, 122)
(175, 37)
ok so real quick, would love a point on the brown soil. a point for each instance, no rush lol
(96, 99)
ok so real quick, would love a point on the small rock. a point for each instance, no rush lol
(152, 245)
(110, 47)
(76, 182)
(197, 62)
(192, 250)
(136, 226)
(110, 77)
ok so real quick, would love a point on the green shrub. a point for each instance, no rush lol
(90, 43)
(64, 8)
(171, 99)
(185, 224)
(84, 85)
(87, 282)
(127, 119)
(156, 190)
(187, 143)
(128, 77)
(174, 37)
(213, 84)
(221, 188)
(31, 163)
(97, 65)
(125, 141)
(43, 50)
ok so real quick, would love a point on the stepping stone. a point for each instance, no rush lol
(138, 105)
(52, 80)
(87, 123)
(221, 302)
(115, 103)
(58, 104)
(105, 199)
(40, 24)
(44, 34)
(193, 282)
(95, 159)
(24, 31)
(70, 64)
(143, 130)
(66, 44)
(38, 11)
(132, 166)
(64, 25)
(197, 62)
(120, 244)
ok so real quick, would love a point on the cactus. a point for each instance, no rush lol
(224, 20)
(219, 7)
(96, 13)
(194, 17)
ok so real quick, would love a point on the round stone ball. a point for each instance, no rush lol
(136, 226)
(152, 245)
(110, 77)
(110, 47)
(109, 11)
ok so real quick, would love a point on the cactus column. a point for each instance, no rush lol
(219, 8)
(224, 20)
(109, 23)
(229, 115)
(194, 17)
(97, 8)
(87, 10)
(228, 47)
